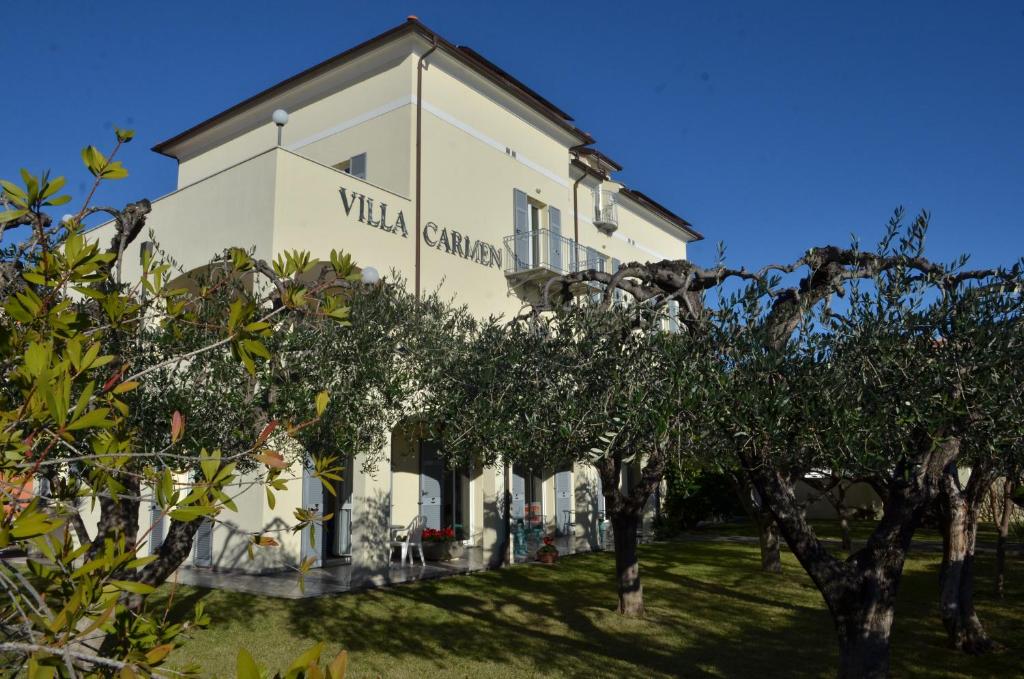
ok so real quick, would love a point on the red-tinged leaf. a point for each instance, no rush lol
(267, 431)
(114, 379)
(177, 426)
(265, 541)
(272, 459)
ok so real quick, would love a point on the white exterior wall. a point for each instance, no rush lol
(314, 110)
(242, 191)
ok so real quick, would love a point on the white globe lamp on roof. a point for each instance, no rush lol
(370, 276)
(280, 118)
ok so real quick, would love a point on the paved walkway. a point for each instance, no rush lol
(329, 579)
(336, 578)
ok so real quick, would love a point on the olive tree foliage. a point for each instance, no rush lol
(85, 357)
(887, 379)
(890, 386)
(992, 449)
(372, 367)
(584, 384)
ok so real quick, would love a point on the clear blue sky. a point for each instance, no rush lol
(770, 126)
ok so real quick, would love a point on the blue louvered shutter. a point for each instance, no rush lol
(618, 295)
(204, 544)
(555, 239)
(521, 223)
(156, 533)
(357, 166)
(312, 499)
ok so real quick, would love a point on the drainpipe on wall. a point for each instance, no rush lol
(419, 154)
(574, 151)
(576, 208)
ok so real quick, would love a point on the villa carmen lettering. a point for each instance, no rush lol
(449, 241)
(460, 245)
(365, 215)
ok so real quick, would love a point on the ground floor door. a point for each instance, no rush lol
(527, 495)
(431, 483)
(456, 498)
(518, 494)
(338, 542)
(563, 502)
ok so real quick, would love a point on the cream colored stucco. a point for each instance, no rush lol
(237, 188)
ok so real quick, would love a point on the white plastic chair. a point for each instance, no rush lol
(413, 540)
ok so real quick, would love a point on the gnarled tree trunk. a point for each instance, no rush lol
(625, 511)
(81, 532)
(860, 591)
(767, 528)
(959, 511)
(768, 535)
(1004, 507)
(863, 607)
(172, 553)
(119, 516)
(627, 565)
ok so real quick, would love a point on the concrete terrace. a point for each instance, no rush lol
(338, 578)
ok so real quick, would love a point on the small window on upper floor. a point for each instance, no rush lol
(355, 166)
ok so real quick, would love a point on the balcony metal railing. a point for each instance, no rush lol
(606, 215)
(545, 250)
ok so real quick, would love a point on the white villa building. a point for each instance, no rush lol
(415, 154)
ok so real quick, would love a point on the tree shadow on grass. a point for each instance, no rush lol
(555, 621)
(710, 612)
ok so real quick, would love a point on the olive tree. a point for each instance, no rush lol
(897, 412)
(1007, 501)
(585, 384)
(873, 393)
(987, 333)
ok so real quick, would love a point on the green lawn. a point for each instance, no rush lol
(859, 531)
(710, 612)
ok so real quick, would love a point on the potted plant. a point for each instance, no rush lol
(440, 544)
(548, 553)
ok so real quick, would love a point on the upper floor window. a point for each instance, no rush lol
(537, 240)
(355, 166)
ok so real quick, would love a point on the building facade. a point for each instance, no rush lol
(416, 155)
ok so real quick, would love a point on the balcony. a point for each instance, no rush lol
(534, 257)
(606, 215)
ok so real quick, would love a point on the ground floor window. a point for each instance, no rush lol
(527, 494)
(444, 493)
(338, 537)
